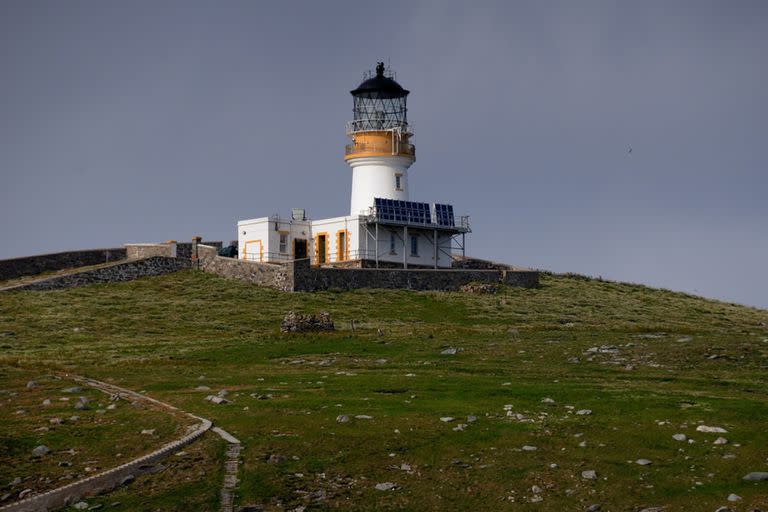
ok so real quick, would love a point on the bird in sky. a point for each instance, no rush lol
(630, 150)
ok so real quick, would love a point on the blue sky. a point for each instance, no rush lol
(146, 121)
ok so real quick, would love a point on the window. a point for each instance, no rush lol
(414, 245)
(399, 181)
(341, 246)
(392, 242)
(283, 243)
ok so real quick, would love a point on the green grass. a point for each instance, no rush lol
(168, 335)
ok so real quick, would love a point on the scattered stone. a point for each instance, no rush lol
(589, 475)
(459, 427)
(547, 401)
(217, 399)
(74, 389)
(723, 509)
(342, 418)
(584, 412)
(23, 494)
(295, 322)
(643, 462)
(111, 407)
(733, 497)
(275, 459)
(405, 467)
(680, 437)
(756, 476)
(529, 448)
(479, 288)
(593, 508)
(535, 489)
(65, 464)
(451, 351)
(148, 431)
(711, 430)
(471, 419)
(202, 388)
(80, 505)
(385, 486)
(447, 419)
(41, 450)
(7, 334)
(129, 479)
(720, 440)
(31, 384)
(81, 404)
(363, 417)
(536, 499)
(47, 401)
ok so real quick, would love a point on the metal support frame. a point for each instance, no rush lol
(434, 243)
(405, 246)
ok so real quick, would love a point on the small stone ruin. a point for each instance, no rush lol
(296, 322)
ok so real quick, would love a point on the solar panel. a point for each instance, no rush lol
(444, 214)
(411, 212)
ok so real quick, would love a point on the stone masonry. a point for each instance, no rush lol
(31, 265)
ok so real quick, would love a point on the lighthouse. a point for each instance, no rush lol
(380, 152)
(385, 227)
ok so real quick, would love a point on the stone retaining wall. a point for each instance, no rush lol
(141, 251)
(272, 275)
(308, 279)
(31, 265)
(120, 271)
(184, 249)
(299, 276)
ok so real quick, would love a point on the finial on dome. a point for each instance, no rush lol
(380, 69)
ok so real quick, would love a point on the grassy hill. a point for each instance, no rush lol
(647, 363)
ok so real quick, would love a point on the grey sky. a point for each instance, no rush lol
(150, 120)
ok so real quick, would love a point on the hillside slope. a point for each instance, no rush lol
(647, 363)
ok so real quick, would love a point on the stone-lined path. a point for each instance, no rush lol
(231, 467)
(107, 480)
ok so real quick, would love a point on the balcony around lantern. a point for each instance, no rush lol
(361, 149)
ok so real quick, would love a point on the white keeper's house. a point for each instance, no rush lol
(384, 227)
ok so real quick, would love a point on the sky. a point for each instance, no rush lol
(153, 120)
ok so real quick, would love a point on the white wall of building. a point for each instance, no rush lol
(260, 239)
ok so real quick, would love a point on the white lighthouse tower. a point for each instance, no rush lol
(380, 153)
(384, 228)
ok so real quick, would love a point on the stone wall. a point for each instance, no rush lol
(184, 249)
(273, 275)
(299, 276)
(140, 251)
(308, 279)
(31, 265)
(520, 278)
(120, 271)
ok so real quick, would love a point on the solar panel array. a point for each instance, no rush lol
(413, 213)
(444, 215)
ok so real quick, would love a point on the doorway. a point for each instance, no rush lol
(322, 249)
(299, 249)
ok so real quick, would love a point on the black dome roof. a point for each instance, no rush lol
(380, 86)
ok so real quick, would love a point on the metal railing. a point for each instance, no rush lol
(375, 125)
